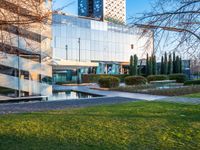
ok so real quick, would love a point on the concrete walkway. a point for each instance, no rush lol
(181, 100)
(10, 108)
(111, 97)
(109, 93)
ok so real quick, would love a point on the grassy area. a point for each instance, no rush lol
(196, 95)
(139, 125)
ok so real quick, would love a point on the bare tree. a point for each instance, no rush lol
(27, 23)
(176, 26)
(21, 23)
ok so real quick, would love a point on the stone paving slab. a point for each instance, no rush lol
(59, 105)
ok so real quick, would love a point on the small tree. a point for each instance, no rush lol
(131, 66)
(135, 65)
(174, 63)
(150, 65)
(147, 65)
(162, 66)
(177, 65)
(170, 64)
(165, 64)
(180, 65)
(140, 68)
(154, 65)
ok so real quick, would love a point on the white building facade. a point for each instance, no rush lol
(25, 50)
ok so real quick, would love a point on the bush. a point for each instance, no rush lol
(156, 78)
(63, 83)
(180, 78)
(192, 82)
(109, 82)
(94, 78)
(135, 80)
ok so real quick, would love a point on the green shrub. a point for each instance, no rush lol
(135, 80)
(192, 82)
(109, 82)
(156, 78)
(69, 82)
(180, 78)
(94, 78)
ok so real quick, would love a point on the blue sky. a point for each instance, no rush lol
(134, 7)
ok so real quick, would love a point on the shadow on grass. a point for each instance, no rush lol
(24, 142)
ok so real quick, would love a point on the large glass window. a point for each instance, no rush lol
(99, 41)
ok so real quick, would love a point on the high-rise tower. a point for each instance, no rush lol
(110, 10)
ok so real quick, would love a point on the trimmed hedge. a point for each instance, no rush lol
(94, 78)
(192, 82)
(109, 82)
(135, 80)
(157, 78)
(62, 83)
(180, 78)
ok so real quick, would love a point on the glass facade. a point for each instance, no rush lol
(111, 10)
(78, 41)
(85, 40)
(90, 8)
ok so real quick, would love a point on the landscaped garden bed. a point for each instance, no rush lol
(153, 90)
(157, 85)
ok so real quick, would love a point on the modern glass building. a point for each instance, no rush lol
(94, 46)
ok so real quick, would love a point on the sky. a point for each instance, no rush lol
(134, 7)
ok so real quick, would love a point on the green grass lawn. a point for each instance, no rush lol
(137, 125)
(196, 95)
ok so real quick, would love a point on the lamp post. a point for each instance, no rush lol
(79, 49)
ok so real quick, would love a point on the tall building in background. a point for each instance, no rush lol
(110, 10)
(25, 48)
(97, 41)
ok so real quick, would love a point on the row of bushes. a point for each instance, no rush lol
(113, 81)
(192, 82)
(180, 78)
(94, 78)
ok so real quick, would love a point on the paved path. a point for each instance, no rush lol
(181, 100)
(58, 105)
(111, 97)
(110, 93)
